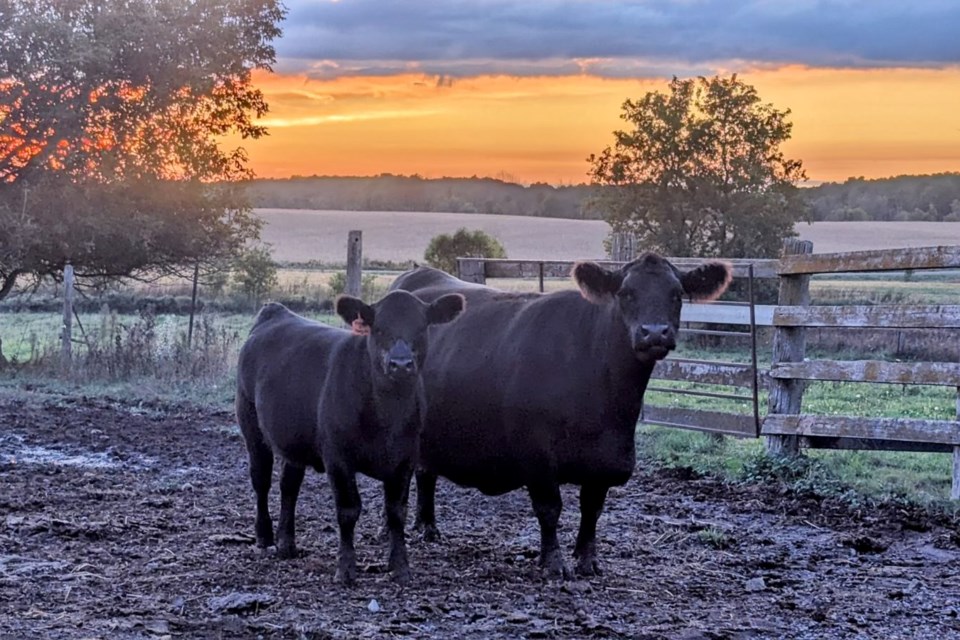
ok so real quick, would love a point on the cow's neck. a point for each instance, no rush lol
(395, 403)
(631, 375)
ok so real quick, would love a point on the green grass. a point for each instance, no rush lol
(922, 478)
(917, 478)
(884, 291)
(28, 333)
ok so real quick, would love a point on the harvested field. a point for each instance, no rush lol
(830, 237)
(300, 235)
(123, 521)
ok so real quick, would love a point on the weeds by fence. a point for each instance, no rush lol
(123, 348)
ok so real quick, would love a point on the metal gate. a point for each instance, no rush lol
(743, 378)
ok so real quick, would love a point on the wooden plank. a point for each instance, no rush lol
(510, 268)
(943, 257)
(789, 345)
(762, 268)
(505, 268)
(731, 424)
(955, 483)
(906, 429)
(862, 444)
(932, 373)
(882, 316)
(726, 313)
(733, 374)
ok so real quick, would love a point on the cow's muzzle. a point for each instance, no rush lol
(400, 360)
(654, 341)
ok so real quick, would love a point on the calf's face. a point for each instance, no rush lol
(396, 328)
(649, 293)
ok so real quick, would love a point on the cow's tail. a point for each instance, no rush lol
(248, 420)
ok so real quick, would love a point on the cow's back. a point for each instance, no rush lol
(281, 371)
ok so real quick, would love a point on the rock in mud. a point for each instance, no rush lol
(241, 602)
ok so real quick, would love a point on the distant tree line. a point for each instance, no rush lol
(388, 192)
(931, 197)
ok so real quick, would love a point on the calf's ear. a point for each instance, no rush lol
(708, 281)
(596, 283)
(446, 308)
(352, 309)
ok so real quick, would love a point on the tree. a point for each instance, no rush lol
(112, 117)
(444, 249)
(701, 172)
(256, 272)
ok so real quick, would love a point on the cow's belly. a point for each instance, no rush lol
(470, 462)
(290, 429)
(498, 456)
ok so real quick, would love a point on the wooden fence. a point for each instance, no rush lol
(784, 426)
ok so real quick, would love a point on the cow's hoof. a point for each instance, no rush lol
(588, 566)
(430, 533)
(401, 576)
(347, 576)
(286, 550)
(554, 568)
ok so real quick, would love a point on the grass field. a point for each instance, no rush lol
(301, 235)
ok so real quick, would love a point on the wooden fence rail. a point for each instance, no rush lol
(785, 427)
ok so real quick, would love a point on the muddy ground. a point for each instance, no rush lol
(136, 522)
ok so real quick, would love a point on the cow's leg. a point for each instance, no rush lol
(347, 499)
(547, 504)
(291, 477)
(426, 521)
(261, 469)
(592, 498)
(396, 490)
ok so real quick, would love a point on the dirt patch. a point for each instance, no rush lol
(153, 538)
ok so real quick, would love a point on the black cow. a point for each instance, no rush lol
(322, 397)
(539, 390)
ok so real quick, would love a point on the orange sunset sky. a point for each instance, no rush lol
(364, 87)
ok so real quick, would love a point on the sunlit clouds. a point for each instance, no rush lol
(527, 91)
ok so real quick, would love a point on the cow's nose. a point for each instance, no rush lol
(656, 335)
(402, 364)
(400, 359)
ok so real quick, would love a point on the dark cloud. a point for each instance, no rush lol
(457, 38)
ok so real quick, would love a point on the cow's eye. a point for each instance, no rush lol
(625, 294)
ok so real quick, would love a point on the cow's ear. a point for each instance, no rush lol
(596, 283)
(352, 309)
(446, 308)
(708, 281)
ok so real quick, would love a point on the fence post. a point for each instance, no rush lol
(193, 303)
(789, 345)
(354, 262)
(66, 335)
(623, 246)
(955, 485)
(472, 270)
